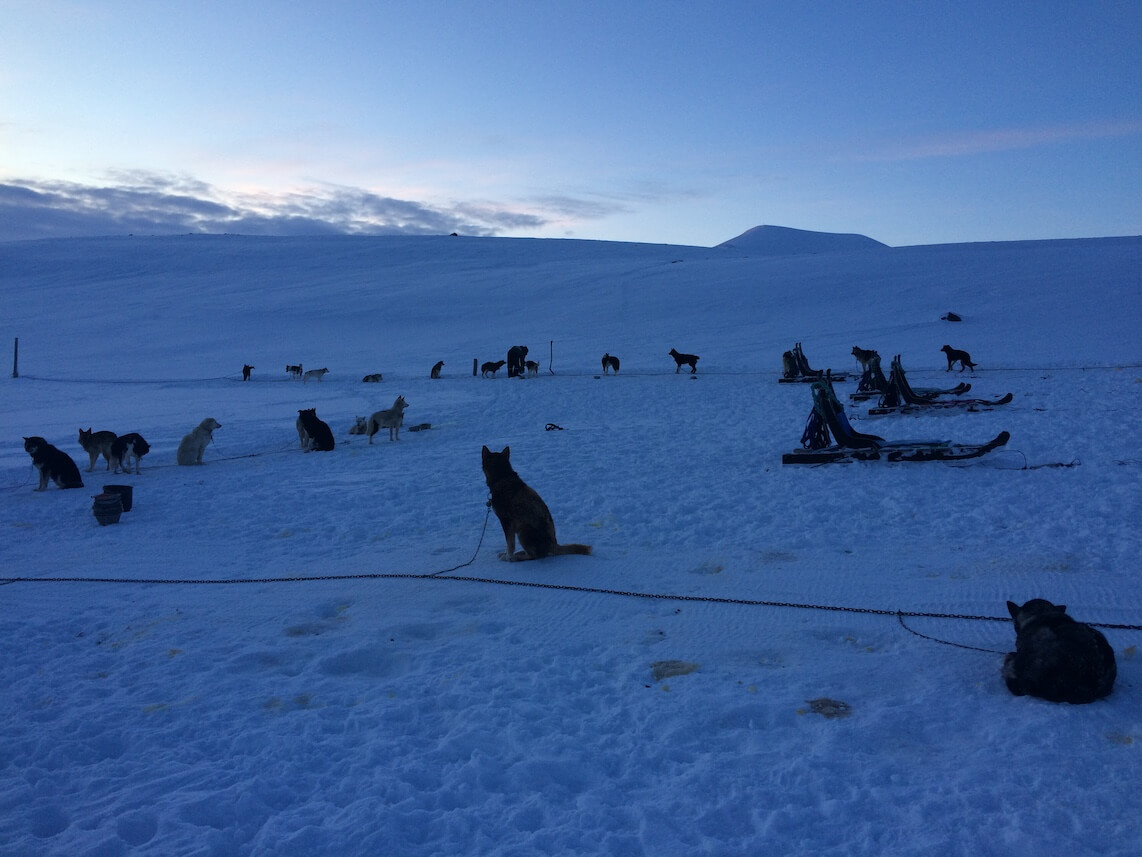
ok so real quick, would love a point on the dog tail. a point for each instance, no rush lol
(562, 550)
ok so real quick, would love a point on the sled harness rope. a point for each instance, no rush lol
(557, 587)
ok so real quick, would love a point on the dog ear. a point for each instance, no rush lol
(1013, 609)
(1062, 608)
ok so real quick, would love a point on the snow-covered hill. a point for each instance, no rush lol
(649, 699)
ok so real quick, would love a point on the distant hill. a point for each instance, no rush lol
(783, 241)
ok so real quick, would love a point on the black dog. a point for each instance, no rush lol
(681, 360)
(954, 354)
(320, 435)
(124, 448)
(611, 362)
(53, 463)
(1055, 657)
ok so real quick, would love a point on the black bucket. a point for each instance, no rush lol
(107, 508)
(124, 491)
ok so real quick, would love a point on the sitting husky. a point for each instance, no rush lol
(53, 464)
(1055, 657)
(610, 362)
(864, 357)
(375, 378)
(318, 374)
(192, 446)
(314, 433)
(390, 418)
(126, 447)
(789, 365)
(681, 360)
(96, 444)
(522, 512)
(360, 426)
(435, 373)
(953, 355)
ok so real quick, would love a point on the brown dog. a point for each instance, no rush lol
(522, 512)
(962, 356)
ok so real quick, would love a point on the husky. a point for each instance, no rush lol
(681, 360)
(53, 463)
(789, 365)
(962, 356)
(610, 362)
(435, 373)
(192, 446)
(375, 378)
(316, 374)
(390, 418)
(246, 370)
(1055, 657)
(360, 426)
(293, 370)
(532, 368)
(492, 367)
(96, 444)
(318, 437)
(126, 447)
(522, 512)
(864, 357)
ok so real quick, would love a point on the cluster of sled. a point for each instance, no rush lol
(829, 437)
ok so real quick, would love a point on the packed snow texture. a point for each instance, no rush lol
(725, 675)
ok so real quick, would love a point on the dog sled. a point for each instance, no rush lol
(902, 399)
(795, 368)
(873, 384)
(829, 438)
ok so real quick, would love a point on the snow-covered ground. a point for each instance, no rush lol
(397, 707)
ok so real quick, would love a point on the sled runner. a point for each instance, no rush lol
(827, 421)
(796, 369)
(902, 399)
(873, 384)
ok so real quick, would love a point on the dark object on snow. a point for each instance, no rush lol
(795, 368)
(107, 508)
(827, 421)
(610, 362)
(1057, 658)
(517, 355)
(125, 492)
(902, 399)
(681, 360)
(246, 370)
(950, 316)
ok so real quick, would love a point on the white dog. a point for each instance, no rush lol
(194, 444)
(314, 373)
(390, 418)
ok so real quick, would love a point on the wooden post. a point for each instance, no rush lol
(16, 359)
(551, 356)
(474, 362)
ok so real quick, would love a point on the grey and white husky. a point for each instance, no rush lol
(390, 418)
(1055, 657)
(95, 444)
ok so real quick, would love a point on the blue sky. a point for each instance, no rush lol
(687, 123)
